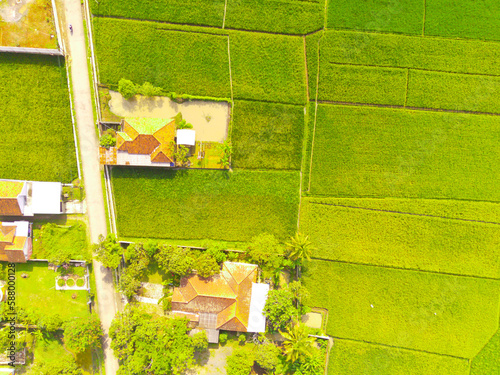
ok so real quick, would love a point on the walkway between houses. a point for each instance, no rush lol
(91, 174)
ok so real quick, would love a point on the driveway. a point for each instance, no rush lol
(91, 170)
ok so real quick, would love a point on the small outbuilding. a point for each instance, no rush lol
(186, 137)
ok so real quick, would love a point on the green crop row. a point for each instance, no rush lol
(268, 67)
(401, 51)
(487, 362)
(205, 204)
(177, 61)
(267, 135)
(426, 89)
(280, 16)
(402, 240)
(35, 119)
(405, 16)
(352, 357)
(436, 313)
(451, 209)
(384, 152)
(196, 12)
(362, 84)
(464, 19)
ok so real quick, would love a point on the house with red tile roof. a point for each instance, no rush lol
(231, 300)
(15, 241)
(144, 142)
(28, 198)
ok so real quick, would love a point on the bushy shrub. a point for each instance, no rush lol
(206, 266)
(267, 356)
(222, 338)
(200, 341)
(127, 88)
(240, 362)
(107, 141)
(147, 89)
(82, 333)
(184, 125)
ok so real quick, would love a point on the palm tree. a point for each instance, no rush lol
(298, 346)
(299, 248)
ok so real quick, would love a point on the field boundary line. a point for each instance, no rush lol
(230, 71)
(405, 269)
(95, 78)
(394, 106)
(205, 26)
(414, 68)
(325, 19)
(423, 21)
(406, 213)
(398, 347)
(224, 18)
(270, 102)
(315, 115)
(407, 85)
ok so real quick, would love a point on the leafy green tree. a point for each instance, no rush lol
(313, 364)
(127, 88)
(182, 124)
(200, 341)
(298, 346)
(206, 266)
(65, 365)
(299, 248)
(83, 333)
(174, 259)
(181, 156)
(108, 251)
(143, 345)
(266, 251)
(267, 356)
(240, 362)
(4, 339)
(50, 323)
(215, 250)
(130, 280)
(280, 308)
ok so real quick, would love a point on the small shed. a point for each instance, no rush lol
(186, 137)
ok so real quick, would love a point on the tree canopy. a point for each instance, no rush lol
(83, 333)
(279, 309)
(108, 251)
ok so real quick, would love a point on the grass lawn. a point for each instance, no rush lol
(155, 275)
(464, 19)
(268, 67)
(177, 61)
(38, 292)
(351, 357)
(401, 239)
(281, 16)
(196, 12)
(267, 135)
(416, 310)
(205, 204)
(431, 155)
(35, 119)
(404, 16)
(51, 239)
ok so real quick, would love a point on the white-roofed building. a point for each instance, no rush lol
(46, 197)
(256, 318)
(186, 137)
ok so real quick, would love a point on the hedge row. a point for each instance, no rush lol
(177, 61)
(401, 51)
(383, 152)
(205, 204)
(436, 313)
(35, 119)
(267, 135)
(352, 357)
(402, 240)
(268, 67)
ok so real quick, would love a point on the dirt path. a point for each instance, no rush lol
(91, 169)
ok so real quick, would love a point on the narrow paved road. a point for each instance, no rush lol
(91, 174)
